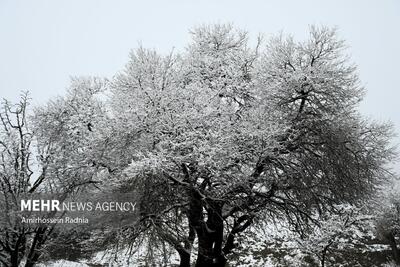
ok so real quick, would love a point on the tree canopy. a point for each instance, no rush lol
(226, 133)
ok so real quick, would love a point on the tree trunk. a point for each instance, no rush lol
(14, 258)
(184, 258)
(18, 251)
(324, 253)
(210, 237)
(185, 253)
(395, 250)
(37, 243)
(204, 257)
(323, 260)
(209, 233)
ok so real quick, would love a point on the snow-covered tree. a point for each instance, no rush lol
(16, 158)
(71, 136)
(55, 149)
(338, 232)
(225, 133)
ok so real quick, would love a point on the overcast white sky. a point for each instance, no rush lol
(44, 42)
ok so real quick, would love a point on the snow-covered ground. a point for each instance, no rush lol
(268, 246)
(63, 263)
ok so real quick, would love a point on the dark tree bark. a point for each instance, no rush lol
(185, 252)
(184, 258)
(37, 243)
(393, 245)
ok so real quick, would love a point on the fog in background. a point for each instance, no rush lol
(44, 43)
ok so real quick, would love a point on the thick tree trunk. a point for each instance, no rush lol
(210, 238)
(185, 253)
(212, 251)
(184, 258)
(209, 233)
(204, 257)
(209, 255)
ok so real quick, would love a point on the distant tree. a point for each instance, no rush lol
(335, 235)
(43, 152)
(16, 156)
(225, 133)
